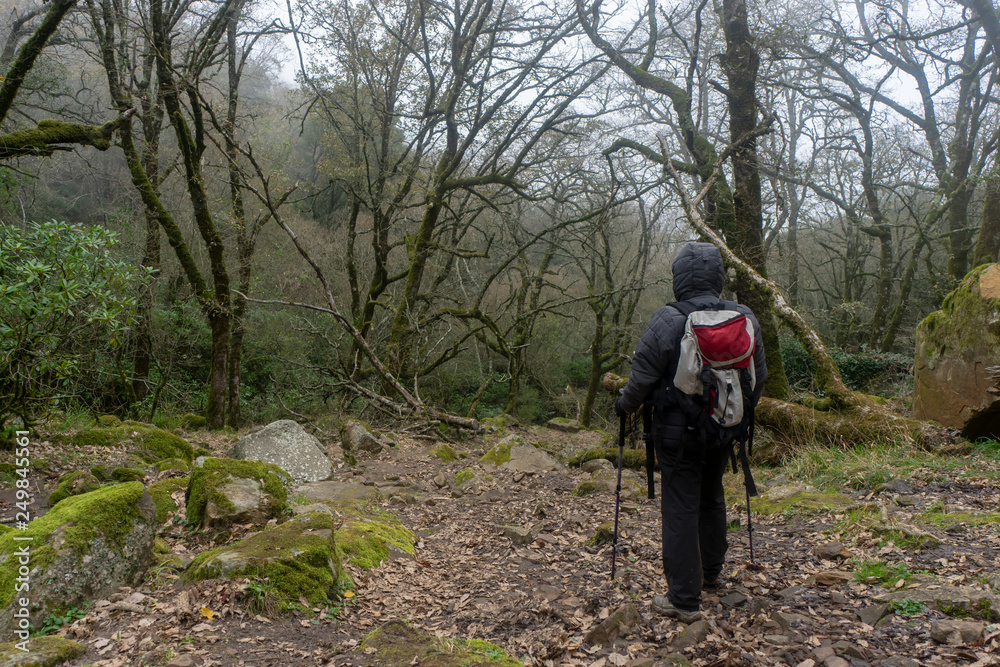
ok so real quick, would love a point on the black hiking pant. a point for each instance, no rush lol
(693, 504)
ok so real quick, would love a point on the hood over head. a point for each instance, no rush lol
(698, 271)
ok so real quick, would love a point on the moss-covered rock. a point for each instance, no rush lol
(802, 501)
(587, 487)
(162, 494)
(192, 421)
(41, 652)
(956, 346)
(173, 464)
(123, 474)
(73, 484)
(84, 548)
(148, 442)
(108, 421)
(498, 424)
(633, 459)
(297, 558)
(463, 476)
(370, 535)
(396, 643)
(445, 452)
(223, 491)
(499, 453)
(603, 535)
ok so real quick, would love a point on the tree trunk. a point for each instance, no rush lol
(988, 245)
(217, 378)
(904, 296)
(742, 63)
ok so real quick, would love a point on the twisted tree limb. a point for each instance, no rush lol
(52, 135)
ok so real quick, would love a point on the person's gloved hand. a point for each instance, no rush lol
(619, 409)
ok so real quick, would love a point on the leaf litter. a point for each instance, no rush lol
(539, 600)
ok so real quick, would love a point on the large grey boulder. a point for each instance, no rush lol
(956, 379)
(85, 548)
(287, 445)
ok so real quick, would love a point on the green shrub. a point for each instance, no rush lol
(63, 297)
(865, 370)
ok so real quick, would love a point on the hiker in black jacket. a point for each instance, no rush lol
(692, 498)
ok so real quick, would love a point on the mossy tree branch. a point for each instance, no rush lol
(51, 135)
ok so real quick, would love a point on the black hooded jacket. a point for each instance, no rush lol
(699, 277)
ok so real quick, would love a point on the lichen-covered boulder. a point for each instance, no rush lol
(45, 651)
(85, 548)
(356, 437)
(74, 483)
(957, 365)
(297, 558)
(146, 441)
(287, 445)
(227, 491)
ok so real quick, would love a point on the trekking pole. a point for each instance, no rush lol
(618, 495)
(748, 478)
(749, 526)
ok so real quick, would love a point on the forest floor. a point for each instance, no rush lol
(909, 524)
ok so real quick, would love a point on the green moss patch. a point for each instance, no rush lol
(42, 652)
(173, 464)
(603, 535)
(208, 479)
(369, 535)
(296, 559)
(396, 643)
(109, 421)
(446, 452)
(633, 459)
(587, 487)
(464, 476)
(937, 517)
(192, 421)
(150, 443)
(162, 493)
(110, 512)
(803, 503)
(500, 452)
(73, 484)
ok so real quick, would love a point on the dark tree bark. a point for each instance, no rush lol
(741, 63)
(988, 244)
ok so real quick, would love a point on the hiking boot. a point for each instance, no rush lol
(711, 584)
(663, 606)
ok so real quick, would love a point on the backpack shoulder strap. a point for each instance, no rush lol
(685, 308)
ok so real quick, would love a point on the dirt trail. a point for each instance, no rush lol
(539, 600)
